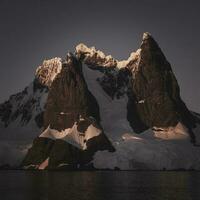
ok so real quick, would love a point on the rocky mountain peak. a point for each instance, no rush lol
(155, 90)
(131, 61)
(94, 57)
(150, 51)
(146, 36)
(49, 69)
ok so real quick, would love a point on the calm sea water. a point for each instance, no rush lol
(99, 185)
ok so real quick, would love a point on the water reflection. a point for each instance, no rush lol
(101, 185)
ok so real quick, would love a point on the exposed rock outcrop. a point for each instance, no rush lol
(93, 57)
(155, 94)
(46, 73)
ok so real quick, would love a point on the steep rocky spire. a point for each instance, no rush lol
(155, 91)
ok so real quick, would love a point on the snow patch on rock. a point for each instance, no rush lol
(72, 135)
(177, 132)
(141, 101)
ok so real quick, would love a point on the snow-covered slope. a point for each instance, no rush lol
(22, 124)
(25, 107)
(145, 152)
(160, 148)
(113, 112)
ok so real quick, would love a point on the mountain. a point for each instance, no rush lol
(90, 110)
(72, 130)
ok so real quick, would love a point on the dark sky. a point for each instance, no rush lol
(31, 31)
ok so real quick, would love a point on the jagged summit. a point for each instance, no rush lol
(83, 49)
(91, 56)
(132, 58)
(51, 67)
(146, 36)
(46, 72)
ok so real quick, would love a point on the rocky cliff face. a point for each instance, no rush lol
(69, 98)
(154, 91)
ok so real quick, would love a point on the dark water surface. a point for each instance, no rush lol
(98, 185)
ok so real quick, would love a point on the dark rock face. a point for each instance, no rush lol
(154, 91)
(69, 103)
(5, 112)
(69, 98)
(95, 60)
(62, 155)
(115, 82)
(39, 152)
(39, 119)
